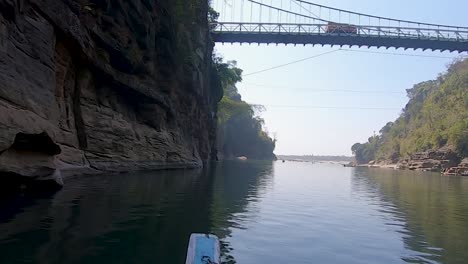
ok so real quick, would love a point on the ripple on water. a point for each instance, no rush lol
(263, 213)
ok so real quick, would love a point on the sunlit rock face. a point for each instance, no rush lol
(110, 86)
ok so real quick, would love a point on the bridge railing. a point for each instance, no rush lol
(342, 29)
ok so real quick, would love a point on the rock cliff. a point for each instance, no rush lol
(89, 86)
(435, 160)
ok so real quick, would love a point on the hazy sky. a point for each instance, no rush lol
(289, 92)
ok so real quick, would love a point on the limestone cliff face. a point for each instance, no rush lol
(104, 85)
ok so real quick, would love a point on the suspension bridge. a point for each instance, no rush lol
(302, 22)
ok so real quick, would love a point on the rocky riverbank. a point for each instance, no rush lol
(436, 161)
(95, 86)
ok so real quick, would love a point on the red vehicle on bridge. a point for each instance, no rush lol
(333, 27)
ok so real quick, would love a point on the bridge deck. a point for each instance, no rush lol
(370, 36)
(340, 40)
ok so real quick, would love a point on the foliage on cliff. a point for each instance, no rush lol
(240, 131)
(436, 116)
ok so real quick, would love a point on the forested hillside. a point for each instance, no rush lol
(436, 117)
(240, 131)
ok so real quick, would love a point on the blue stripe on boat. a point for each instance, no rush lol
(203, 249)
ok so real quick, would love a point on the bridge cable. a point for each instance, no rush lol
(286, 11)
(347, 50)
(242, 11)
(289, 63)
(279, 13)
(251, 11)
(303, 8)
(261, 4)
(261, 16)
(233, 10)
(313, 90)
(319, 18)
(269, 12)
(378, 17)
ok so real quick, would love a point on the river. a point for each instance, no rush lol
(263, 213)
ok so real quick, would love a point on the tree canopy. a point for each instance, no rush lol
(436, 116)
(240, 131)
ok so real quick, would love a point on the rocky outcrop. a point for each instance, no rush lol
(99, 85)
(31, 156)
(435, 160)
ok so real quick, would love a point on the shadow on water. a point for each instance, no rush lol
(236, 185)
(15, 201)
(429, 210)
(144, 217)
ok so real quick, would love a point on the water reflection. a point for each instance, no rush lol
(237, 188)
(109, 219)
(263, 213)
(143, 217)
(430, 211)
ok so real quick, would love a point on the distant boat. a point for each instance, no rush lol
(203, 249)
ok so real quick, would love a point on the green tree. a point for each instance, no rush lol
(240, 131)
(436, 116)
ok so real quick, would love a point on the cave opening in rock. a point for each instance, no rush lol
(35, 143)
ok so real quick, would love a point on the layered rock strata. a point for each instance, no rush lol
(89, 86)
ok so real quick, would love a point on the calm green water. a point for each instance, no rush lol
(263, 213)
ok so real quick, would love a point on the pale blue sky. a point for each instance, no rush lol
(332, 131)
